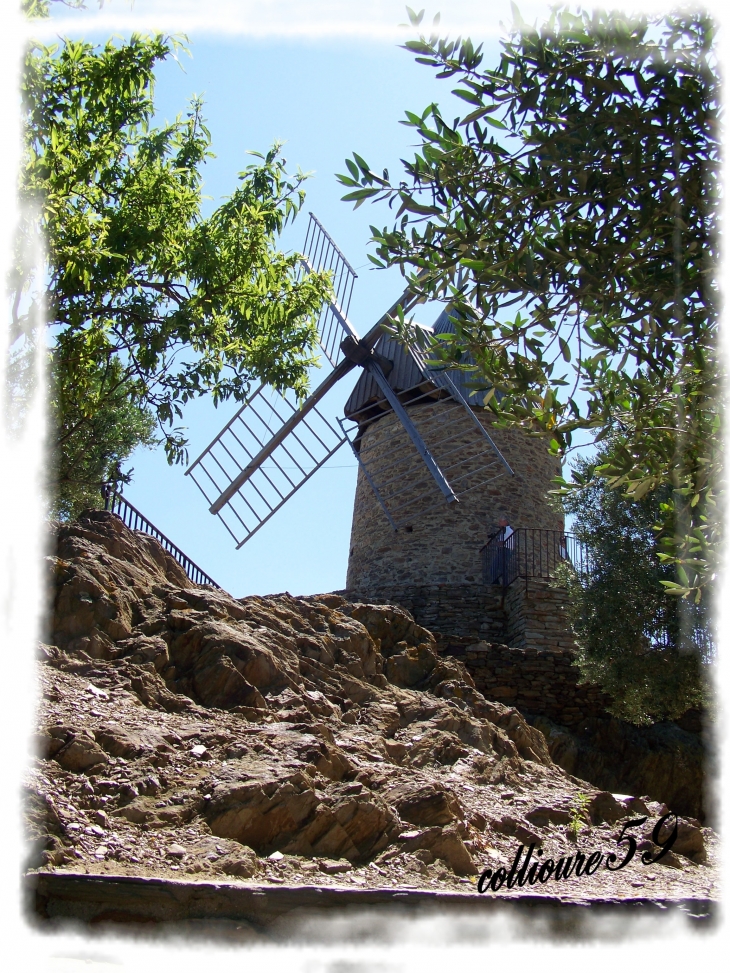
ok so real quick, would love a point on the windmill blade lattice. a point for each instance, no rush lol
(322, 253)
(245, 503)
(271, 447)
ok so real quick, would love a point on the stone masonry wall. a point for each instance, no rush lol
(472, 611)
(539, 682)
(535, 616)
(442, 545)
(532, 614)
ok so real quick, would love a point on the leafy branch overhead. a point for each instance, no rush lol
(570, 218)
(183, 304)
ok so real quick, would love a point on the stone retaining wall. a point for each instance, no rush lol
(531, 614)
(535, 616)
(520, 654)
(540, 682)
(471, 610)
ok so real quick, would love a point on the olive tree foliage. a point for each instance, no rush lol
(148, 303)
(570, 218)
(648, 649)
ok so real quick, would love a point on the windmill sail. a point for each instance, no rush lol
(261, 458)
(322, 253)
(273, 444)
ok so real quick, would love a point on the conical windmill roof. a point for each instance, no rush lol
(366, 401)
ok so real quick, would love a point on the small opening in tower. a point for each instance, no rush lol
(408, 528)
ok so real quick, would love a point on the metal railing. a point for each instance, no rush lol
(116, 504)
(531, 552)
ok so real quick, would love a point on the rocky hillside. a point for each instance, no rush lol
(282, 740)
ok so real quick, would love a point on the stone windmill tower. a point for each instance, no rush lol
(433, 563)
(434, 475)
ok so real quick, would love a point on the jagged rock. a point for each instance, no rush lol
(120, 741)
(529, 741)
(52, 738)
(137, 812)
(641, 806)
(541, 817)
(435, 746)
(355, 828)
(390, 626)
(79, 752)
(141, 649)
(450, 848)
(223, 686)
(425, 804)
(444, 844)
(44, 829)
(334, 868)
(328, 760)
(689, 842)
(267, 812)
(605, 807)
(669, 859)
(243, 863)
(236, 728)
(510, 825)
(411, 666)
(261, 810)
(395, 750)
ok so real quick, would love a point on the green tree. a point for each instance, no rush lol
(92, 445)
(649, 650)
(147, 301)
(571, 218)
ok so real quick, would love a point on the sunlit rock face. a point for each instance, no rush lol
(184, 733)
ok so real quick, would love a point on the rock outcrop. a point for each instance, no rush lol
(264, 738)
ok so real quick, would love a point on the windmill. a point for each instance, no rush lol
(272, 446)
